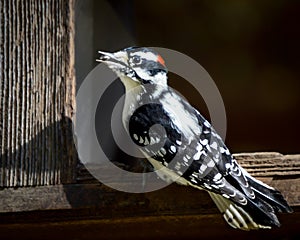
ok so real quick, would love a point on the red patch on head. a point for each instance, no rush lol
(161, 60)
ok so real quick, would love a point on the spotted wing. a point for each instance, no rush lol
(199, 156)
(151, 127)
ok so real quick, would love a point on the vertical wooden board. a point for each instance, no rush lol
(37, 92)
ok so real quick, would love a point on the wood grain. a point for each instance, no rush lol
(270, 164)
(174, 198)
(196, 226)
(37, 92)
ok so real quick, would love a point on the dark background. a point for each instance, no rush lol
(250, 49)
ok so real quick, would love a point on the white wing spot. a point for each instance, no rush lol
(216, 158)
(238, 173)
(202, 168)
(159, 154)
(208, 148)
(228, 166)
(207, 186)
(163, 151)
(178, 142)
(211, 163)
(152, 140)
(197, 156)
(136, 137)
(173, 149)
(195, 175)
(224, 150)
(199, 153)
(177, 166)
(232, 195)
(204, 142)
(217, 177)
(207, 124)
(193, 180)
(214, 145)
(199, 147)
(225, 195)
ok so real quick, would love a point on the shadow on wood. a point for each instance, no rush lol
(49, 158)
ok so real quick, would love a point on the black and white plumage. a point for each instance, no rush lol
(190, 150)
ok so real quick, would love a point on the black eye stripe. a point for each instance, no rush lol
(136, 59)
(153, 72)
(145, 63)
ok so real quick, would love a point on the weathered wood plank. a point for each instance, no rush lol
(37, 92)
(260, 164)
(88, 210)
(95, 195)
(77, 196)
(195, 226)
(272, 164)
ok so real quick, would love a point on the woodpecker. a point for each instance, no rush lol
(190, 152)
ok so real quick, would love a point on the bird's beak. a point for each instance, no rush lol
(105, 57)
(113, 59)
(117, 62)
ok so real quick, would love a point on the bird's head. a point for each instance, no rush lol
(136, 65)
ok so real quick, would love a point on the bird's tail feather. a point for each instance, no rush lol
(234, 215)
(258, 212)
(269, 195)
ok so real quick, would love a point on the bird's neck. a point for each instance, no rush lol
(132, 90)
(129, 84)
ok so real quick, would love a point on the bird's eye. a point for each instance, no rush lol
(136, 60)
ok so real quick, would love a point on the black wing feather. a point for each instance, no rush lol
(214, 170)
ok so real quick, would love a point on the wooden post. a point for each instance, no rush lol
(37, 92)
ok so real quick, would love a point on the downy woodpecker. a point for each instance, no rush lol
(200, 157)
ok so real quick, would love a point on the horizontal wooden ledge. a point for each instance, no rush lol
(270, 164)
(97, 199)
(209, 226)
